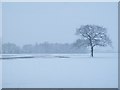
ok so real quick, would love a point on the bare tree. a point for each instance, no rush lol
(92, 35)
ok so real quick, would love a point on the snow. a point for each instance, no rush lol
(0, 73)
(61, 71)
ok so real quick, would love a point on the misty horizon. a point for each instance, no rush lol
(28, 23)
(59, 45)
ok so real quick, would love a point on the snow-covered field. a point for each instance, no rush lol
(0, 74)
(61, 71)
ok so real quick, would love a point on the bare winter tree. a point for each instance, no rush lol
(92, 35)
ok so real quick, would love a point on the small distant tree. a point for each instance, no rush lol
(10, 48)
(92, 35)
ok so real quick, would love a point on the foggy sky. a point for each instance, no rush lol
(0, 21)
(28, 23)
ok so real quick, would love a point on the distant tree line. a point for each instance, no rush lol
(89, 36)
(10, 48)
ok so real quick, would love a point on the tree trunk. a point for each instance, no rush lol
(91, 51)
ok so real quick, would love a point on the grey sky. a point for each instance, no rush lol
(25, 23)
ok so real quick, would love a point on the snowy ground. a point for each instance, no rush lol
(0, 74)
(61, 71)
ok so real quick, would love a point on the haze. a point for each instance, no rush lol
(28, 23)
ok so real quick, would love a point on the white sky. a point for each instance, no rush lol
(25, 23)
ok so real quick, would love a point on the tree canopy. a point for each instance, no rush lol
(92, 35)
